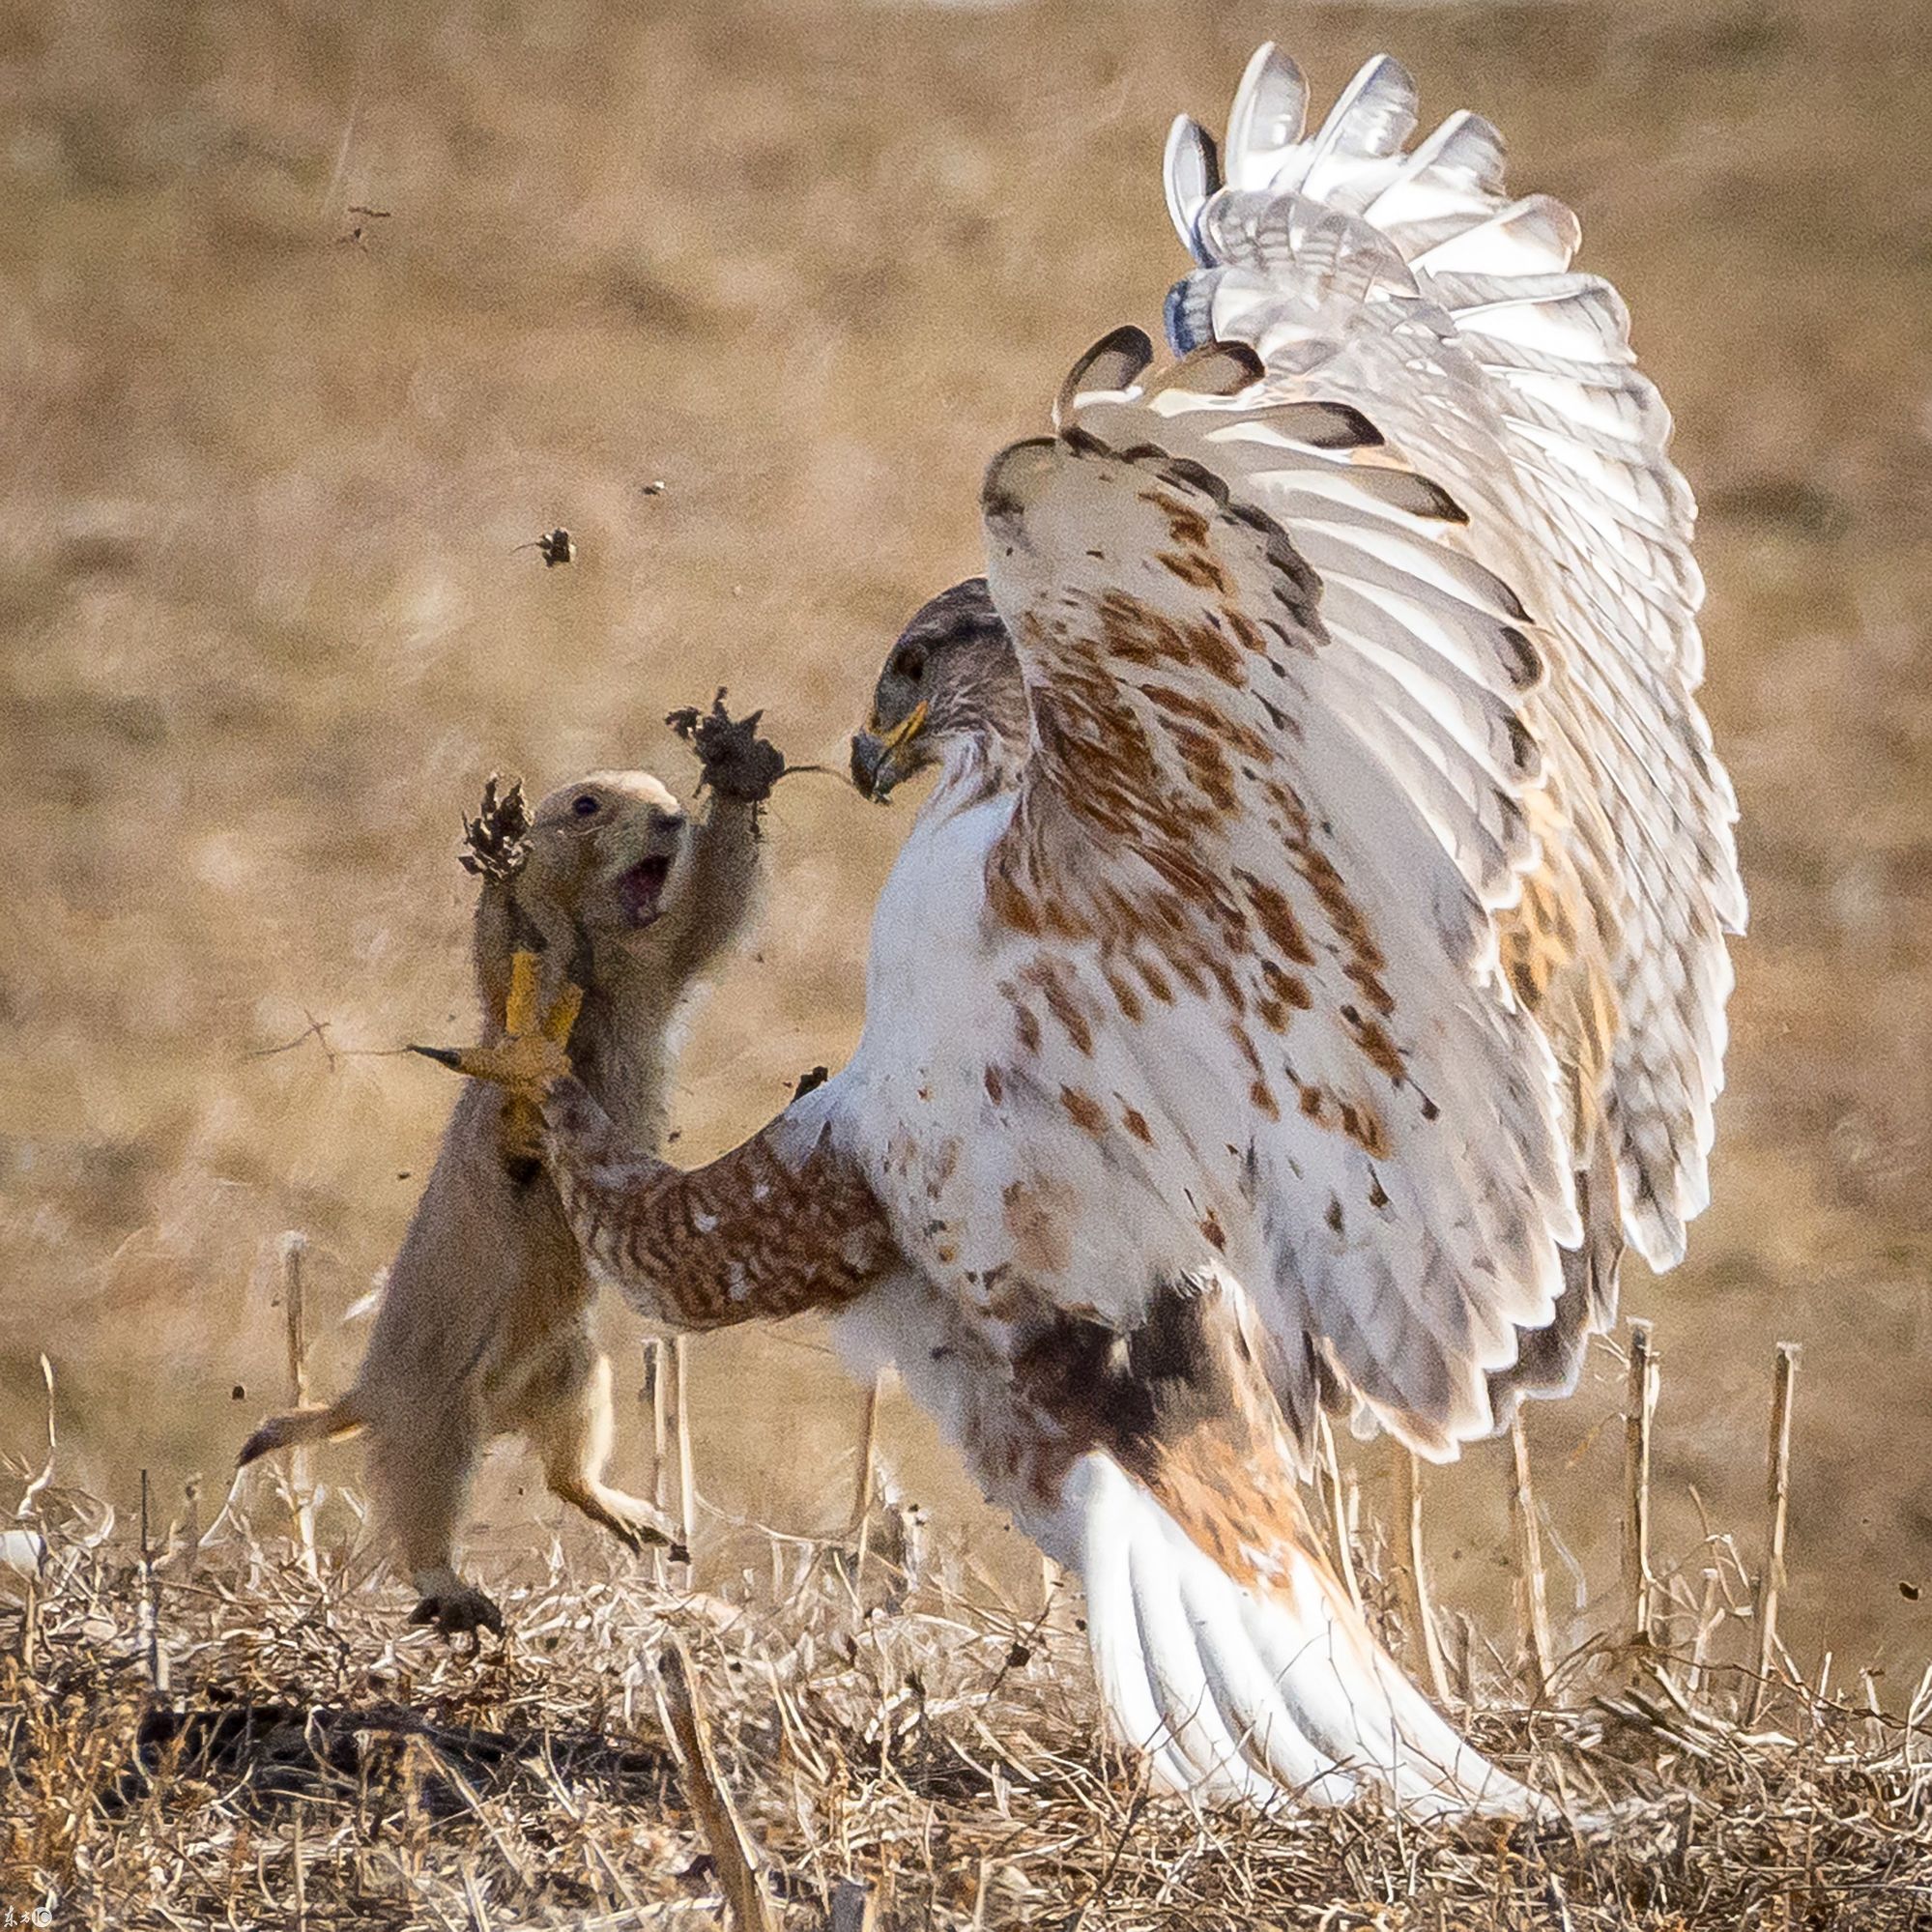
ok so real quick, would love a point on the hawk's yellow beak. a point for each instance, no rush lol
(882, 757)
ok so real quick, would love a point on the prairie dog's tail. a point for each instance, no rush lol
(324, 1423)
(1265, 1686)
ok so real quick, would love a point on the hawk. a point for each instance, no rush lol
(1308, 970)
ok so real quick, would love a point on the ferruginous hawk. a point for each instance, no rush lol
(1309, 969)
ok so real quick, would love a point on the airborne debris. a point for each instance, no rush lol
(357, 236)
(555, 546)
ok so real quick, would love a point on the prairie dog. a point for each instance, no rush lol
(484, 1328)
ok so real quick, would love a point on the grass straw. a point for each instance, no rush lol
(1778, 1499)
(1420, 1609)
(1335, 1499)
(1531, 1584)
(655, 1396)
(148, 1615)
(733, 1856)
(680, 1424)
(1639, 1416)
(300, 1463)
(868, 1479)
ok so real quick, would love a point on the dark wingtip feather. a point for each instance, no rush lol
(1188, 314)
(1113, 363)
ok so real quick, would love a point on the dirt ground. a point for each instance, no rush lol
(316, 312)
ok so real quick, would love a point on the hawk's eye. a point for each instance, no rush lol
(908, 661)
(583, 804)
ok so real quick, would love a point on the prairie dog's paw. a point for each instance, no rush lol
(636, 1524)
(734, 761)
(496, 842)
(459, 1610)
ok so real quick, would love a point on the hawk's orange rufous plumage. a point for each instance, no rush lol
(1312, 1000)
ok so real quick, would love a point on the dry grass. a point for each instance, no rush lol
(308, 1764)
(808, 263)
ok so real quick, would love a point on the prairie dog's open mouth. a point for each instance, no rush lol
(641, 887)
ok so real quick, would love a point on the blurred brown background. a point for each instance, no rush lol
(266, 461)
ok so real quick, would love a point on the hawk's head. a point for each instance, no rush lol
(951, 682)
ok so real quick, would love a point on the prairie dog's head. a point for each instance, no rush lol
(601, 853)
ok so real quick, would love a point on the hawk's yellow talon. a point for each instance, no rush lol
(531, 1054)
(520, 1013)
(563, 1015)
(527, 1065)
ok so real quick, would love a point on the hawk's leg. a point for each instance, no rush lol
(784, 1222)
(532, 1054)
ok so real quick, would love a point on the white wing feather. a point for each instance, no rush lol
(1527, 395)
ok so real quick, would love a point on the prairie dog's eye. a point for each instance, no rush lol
(908, 661)
(584, 804)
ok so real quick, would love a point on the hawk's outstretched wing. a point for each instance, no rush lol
(1510, 379)
(1368, 789)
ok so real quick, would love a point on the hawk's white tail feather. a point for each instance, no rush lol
(1264, 1693)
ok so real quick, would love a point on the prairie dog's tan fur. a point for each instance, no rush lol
(484, 1328)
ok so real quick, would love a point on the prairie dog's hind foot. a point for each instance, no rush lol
(454, 1608)
(634, 1522)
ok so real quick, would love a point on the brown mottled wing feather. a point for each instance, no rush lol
(1275, 803)
(1555, 962)
(782, 1224)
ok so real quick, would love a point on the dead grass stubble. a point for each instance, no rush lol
(310, 1763)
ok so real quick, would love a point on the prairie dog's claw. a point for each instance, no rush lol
(462, 1611)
